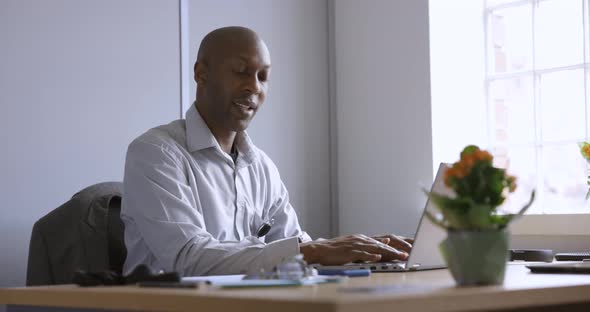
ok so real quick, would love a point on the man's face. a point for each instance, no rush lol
(236, 86)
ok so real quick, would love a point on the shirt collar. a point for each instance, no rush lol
(199, 137)
(246, 150)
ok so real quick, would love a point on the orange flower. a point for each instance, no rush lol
(448, 175)
(483, 155)
(585, 149)
(468, 159)
(460, 170)
(456, 171)
(511, 183)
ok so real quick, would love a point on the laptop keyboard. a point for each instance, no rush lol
(373, 266)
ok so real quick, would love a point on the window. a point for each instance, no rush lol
(537, 84)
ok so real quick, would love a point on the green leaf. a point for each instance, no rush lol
(469, 149)
(461, 213)
(500, 222)
(464, 214)
(510, 218)
(478, 217)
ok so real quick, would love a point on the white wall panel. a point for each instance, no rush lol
(383, 114)
(78, 81)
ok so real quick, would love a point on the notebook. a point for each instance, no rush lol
(425, 254)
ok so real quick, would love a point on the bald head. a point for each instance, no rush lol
(222, 42)
(232, 71)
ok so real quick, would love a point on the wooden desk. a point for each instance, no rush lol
(415, 291)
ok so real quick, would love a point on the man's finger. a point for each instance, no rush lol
(363, 256)
(407, 239)
(387, 252)
(384, 240)
(399, 242)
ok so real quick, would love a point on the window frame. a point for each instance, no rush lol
(536, 74)
(534, 225)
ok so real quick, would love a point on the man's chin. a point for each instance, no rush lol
(240, 125)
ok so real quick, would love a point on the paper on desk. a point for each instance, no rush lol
(238, 281)
(215, 279)
(399, 288)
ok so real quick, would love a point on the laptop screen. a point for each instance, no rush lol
(425, 253)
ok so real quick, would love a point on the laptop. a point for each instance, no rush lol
(425, 254)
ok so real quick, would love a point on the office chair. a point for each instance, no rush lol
(85, 233)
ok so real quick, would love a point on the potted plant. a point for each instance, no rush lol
(476, 247)
(585, 151)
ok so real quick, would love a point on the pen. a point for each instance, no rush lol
(264, 228)
(351, 273)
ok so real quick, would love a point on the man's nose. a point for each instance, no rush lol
(253, 85)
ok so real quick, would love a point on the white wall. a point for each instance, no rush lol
(78, 81)
(383, 114)
(292, 126)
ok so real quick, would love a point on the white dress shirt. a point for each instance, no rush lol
(187, 207)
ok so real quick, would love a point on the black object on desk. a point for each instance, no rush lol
(170, 284)
(541, 255)
(572, 256)
(578, 268)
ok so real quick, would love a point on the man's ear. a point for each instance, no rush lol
(200, 71)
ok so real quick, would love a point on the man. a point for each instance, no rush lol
(197, 191)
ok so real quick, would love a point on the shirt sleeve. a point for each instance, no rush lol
(160, 204)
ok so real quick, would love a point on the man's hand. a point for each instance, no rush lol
(396, 241)
(354, 248)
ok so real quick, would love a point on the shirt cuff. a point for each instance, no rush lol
(279, 251)
(304, 238)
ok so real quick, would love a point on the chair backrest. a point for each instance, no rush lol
(85, 233)
(115, 242)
